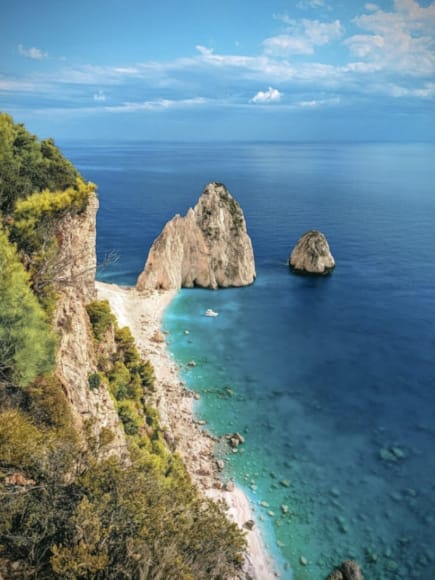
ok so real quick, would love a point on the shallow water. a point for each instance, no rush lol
(330, 380)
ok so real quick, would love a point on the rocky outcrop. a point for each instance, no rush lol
(312, 255)
(209, 247)
(348, 570)
(93, 410)
(77, 260)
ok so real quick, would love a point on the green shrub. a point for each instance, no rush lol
(146, 373)
(27, 165)
(119, 380)
(27, 344)
(126, 347)
(106, 436)
(101, 318)
(47, 403)
(129, 416)
(34, 218)
(94, 381)
(21, 442)
(89, 554)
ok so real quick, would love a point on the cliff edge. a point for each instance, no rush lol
(208, 247)
(93, 410)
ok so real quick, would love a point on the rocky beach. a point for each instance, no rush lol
(142, 312)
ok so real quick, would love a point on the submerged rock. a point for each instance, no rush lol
(229, 486)
(348, 570)
(208, 247)
(312, 255)
(158, 337)
(392, 454)
(335, 575)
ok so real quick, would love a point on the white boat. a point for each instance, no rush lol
(210, 312)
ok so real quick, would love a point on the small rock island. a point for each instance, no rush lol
(209, 247)
(312, 255)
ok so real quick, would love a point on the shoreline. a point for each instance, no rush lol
(142, 312)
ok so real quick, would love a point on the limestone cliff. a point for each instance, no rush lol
(312, 255)
(209, 247)
(93, 410)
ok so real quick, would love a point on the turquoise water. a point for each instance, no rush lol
(330, 380)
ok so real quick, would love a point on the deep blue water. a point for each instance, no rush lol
(331, 380)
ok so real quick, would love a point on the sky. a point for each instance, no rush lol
(204, 70)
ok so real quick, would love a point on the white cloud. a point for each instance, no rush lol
(302, 36)
(285, 44)
(316, 103)
(360, 67)
(270, 96)
(399, 41)
(157, 105)
(208, 55)
(415, 12)
(100, 96)
(14, 85)
(96, 75)
(425, 92)
(363, 45)
(321, 33)
(126, 70)
(33, 53)
(303, 4)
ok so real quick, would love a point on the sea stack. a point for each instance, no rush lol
(208, 247)
(312, 255)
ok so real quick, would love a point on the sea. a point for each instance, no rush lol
(330, 380)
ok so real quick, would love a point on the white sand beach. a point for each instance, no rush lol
(142, 312)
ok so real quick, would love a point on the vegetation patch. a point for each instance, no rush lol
(101, 318)
(28, 165)
(27, 343)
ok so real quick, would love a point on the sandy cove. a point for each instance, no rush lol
(142, 312)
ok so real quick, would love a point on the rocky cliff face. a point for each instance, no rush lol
(209, 247)
(93, 410)
(312, 255)
(76, 236)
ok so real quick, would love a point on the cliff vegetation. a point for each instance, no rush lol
(83, 494)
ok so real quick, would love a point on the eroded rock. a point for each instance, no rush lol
(208, 247)
(312, 255)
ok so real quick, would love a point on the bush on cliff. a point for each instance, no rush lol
(28, 165)
(70, 516)
(38, 186)
(101, 318)
(34, 218)
(27, 345)
(34, 227)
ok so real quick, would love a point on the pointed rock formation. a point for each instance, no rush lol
(209, 247)
(312, 255)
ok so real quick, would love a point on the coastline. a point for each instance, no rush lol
(142, 312)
